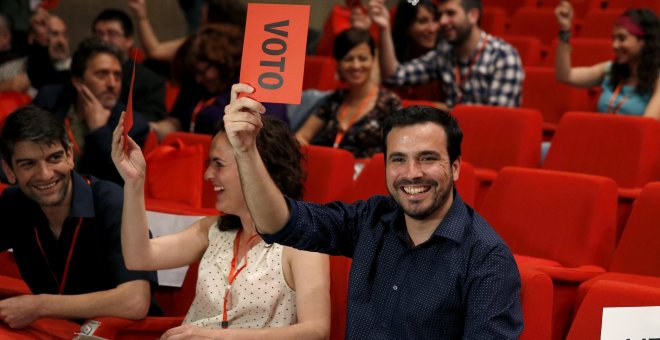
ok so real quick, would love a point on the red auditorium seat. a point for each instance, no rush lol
(494, 137)
(536, 299)
(9, 102)
(598, 24)
(494, 20)
(371, 180)
(180, 153)
(622, 5)
(584, 52)
(636, 256)
(541, 91)
(320, 73)
(621, 147)
(580, 8)
(588, 320)
(329, 174)
(171, 94)
(557, 222)
(535, 22)
(529, 48)
(340, 267)
(510, 6)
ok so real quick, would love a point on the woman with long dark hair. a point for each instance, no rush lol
(244, 287)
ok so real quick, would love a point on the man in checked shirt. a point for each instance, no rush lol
(473, 66)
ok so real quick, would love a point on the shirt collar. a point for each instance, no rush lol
(82, 200)
(453, 226)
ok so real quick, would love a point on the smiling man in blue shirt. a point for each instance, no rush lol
(425, 264)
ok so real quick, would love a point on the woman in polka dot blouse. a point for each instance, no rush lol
(245, 288)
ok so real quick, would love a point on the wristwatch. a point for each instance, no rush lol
(564, 36)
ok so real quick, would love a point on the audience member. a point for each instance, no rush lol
(116, 28)
(212, 11)
(51, 63)
(425, 264)
(351, 118)
(213, 56)
(89, 105)
(245, 288)
(12, 64)
(629, 83)
(64, 229)
(474, 66)
(415, 33)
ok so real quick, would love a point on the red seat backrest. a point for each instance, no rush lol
(621, 147)
(339, 269)
(494, 20)
(494, 137)
(588, 319)
(329, 174)
(638, 249)
(529, 48)
(510, 6)
(565, 217)
(599, 24)
(543, 92)
(320, 73)
(584, 52)
(535, 22)
(536, 298)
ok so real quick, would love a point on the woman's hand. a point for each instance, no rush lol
(129, 160)
(379, 13)
(139, 8)
(243, 119)
(564, 13)
(191, 332)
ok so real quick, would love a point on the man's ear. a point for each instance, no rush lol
(69, 155)
(456, 168)
(473, 16)
(8, 172)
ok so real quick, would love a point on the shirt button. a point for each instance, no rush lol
(395, 287)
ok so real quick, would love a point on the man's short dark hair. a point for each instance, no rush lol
(469, 4)
(423, 114)
(89, 48)
(113, 14)
(31, 124)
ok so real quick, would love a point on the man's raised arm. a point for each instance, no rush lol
(264, 199)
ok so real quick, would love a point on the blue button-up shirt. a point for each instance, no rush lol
(461, 283)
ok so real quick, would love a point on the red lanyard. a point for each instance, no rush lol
(233, 273)
(199, 107)
(343, 111)
(457, 71)
(76, 148)
(611, 108)
(65, 274)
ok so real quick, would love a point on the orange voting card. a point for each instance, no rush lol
(274, 51)
(128, 117)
